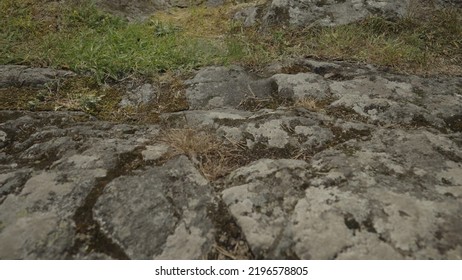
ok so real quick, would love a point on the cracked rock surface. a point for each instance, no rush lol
(340, 161)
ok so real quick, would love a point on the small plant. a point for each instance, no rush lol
(214, 157)
(90, 102)
(307, 103)
(163, 29)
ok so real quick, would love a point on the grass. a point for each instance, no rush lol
(308, 103)
(410, 45)
(86, 40)
(213, 156)
(87, 94)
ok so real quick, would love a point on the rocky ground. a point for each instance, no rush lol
(366, 164)
(306, 159)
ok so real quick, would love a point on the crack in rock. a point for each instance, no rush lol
(89, 235)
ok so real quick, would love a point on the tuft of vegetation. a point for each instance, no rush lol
(308, 103)
(214, 157)
(87, 94)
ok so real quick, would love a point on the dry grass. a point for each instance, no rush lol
(44, 33)
(213, 156)
(196, 21)
(308, 103)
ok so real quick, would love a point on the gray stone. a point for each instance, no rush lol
(37, 222)
(373, 171)
(361, 200)
(331, 12)
(2, 136)
(3, 139)
(155, 152)
(160, 213)
(139, 96)
(17, 75)
(302, 85)
(218, 87)
(12, 181)
(280, 131)
(36, 236)
(58, 162)
(248, 16)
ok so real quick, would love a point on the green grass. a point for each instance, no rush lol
(89, 41)
(86, 40)
(432, 45)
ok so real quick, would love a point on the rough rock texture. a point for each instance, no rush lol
(334, 12)
(217, 87)
(140, 9)
(331, 12)
(165, 206)
(139, 95)
(337, 161)
(17, 75)
(51, 165)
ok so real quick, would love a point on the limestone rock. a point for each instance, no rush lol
(160, 213)
(248, 16)
(331, 12)
(218, 87)
(351, 162)
(17, 75)
(302, 85)
(54, 163)
(361, 200)
(140, 95)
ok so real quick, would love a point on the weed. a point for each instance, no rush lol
(162, 29)
(308, 103)
(214, 157)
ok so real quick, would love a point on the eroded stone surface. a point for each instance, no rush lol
(141, 9)
(52, 163)
(218, 87)
(333, 12)
(361, 200)
(140, 95)
(333, 161)
(160, 213)
(18, 75)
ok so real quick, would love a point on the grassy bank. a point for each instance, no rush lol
(86, 40)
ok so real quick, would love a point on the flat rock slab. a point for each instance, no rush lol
(18, 75)
(160, 213)
(50, 166)
(332, 12)
(397, 196)
(218, 87)
(340, 90)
